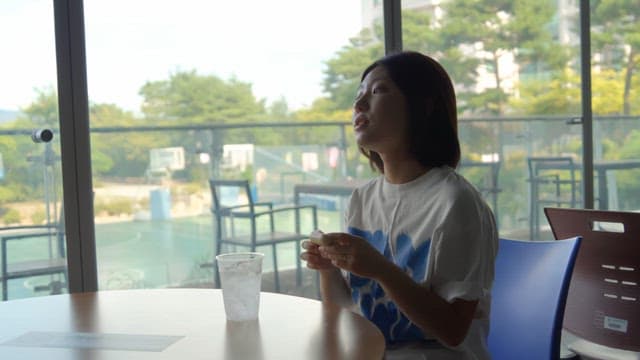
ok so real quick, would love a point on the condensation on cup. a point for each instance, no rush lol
(241, 278)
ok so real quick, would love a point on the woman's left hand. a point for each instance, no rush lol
(354, 254)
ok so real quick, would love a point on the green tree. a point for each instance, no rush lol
(110, 155)
(189, 98)
(22, 159)
(616, 31)
(499, 28)
(342, 74)
(43, 111)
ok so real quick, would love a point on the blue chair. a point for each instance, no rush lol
(528, 298)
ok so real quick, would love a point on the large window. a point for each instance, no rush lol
(171, 93)
(180, 93)
(32, 247)
(516, 67)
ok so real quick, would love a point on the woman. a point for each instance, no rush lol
(419, 254)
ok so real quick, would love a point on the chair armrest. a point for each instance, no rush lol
(228, 210)
(551, 178)
(286, 208)
(264, 203)
(7, 238)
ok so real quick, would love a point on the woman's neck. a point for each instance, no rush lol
(402, 171)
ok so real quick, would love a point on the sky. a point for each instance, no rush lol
(279, 46)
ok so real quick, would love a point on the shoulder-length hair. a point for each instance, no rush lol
(431, 105)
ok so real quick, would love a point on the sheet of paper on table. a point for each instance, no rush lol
(80, 340)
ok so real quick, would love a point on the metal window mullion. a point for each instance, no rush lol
(75, 146)
(587, 114)
(392, 20)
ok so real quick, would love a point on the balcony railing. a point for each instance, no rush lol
(131, 164)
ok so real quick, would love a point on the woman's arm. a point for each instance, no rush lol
(449, 322)
(333, 287)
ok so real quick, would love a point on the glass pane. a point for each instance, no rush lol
(616, 109)
(171, 95)
(31, 226)
(515, 66)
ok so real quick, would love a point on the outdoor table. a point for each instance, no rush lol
(601, 167)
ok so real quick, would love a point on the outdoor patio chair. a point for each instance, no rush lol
(233, 201)
(49, 261)
(603, 305)
(552, 182)
(528, 298)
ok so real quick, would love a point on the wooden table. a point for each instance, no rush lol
(193, 319)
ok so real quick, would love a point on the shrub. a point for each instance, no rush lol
(12, 216)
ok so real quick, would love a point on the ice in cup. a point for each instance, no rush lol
(240, 277)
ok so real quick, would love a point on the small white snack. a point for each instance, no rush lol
(317, 237)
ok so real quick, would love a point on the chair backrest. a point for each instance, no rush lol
(528, 298)
(540, 163)
(226, 193)
(603, 305)
(561, 165)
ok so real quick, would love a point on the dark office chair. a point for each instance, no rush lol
(53, 263)
(603, 306)
(227, 230)
(528, 298)
(552, 182)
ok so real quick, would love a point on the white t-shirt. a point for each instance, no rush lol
(441, 232)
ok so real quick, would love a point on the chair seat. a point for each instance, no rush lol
(265, 238)
(35, 268)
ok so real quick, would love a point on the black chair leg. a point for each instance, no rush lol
(216, 274)
(298, 265)
(275, 268)
(5, 289)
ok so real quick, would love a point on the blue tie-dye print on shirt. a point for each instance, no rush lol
(368, 294)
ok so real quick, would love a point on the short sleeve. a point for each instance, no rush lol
(462, 254)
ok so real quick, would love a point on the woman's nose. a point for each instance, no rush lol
(360, 104)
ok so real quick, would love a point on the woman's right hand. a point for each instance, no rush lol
(313, 258)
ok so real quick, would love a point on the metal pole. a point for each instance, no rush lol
(587, 115)
(392, 26)
(75, 151)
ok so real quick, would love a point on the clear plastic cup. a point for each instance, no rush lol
(241, 278)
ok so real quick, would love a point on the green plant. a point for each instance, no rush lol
(12, 216)
(38, 217)
(114, 207)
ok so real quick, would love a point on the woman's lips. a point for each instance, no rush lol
(359, 122)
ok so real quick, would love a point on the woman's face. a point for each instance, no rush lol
(380, 114)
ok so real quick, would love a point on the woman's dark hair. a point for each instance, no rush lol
(431, 105)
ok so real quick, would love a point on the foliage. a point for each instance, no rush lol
(11, 216)
(114, 206)
(471, 40)
(38, 217)
(44, 110)
(343, 71)
(499, 28)
(189, 98)
(616, 31)
(558, 95)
